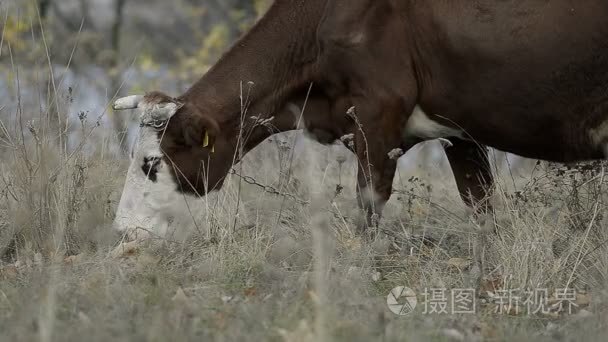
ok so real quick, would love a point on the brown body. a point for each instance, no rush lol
(528, 77)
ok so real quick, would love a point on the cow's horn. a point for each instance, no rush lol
(129, 102)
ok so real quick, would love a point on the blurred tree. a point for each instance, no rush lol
(223, 21)
(43, 8)
(71, 22)
(120, 127)
(119, 6)
(237, 15)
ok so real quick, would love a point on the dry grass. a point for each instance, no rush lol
(279, 269)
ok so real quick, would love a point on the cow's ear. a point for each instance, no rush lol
(201, 131)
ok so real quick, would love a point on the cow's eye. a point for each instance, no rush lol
(159, 124)
(156, 124)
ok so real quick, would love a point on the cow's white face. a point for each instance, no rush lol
(179, 151)
(149, 202)
(142, 195)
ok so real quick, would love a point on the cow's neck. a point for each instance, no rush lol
(288, 117)
(277, 55)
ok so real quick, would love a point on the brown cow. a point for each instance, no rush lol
(528, 77)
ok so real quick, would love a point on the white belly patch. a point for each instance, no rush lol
(421, 126)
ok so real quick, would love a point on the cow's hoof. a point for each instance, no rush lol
(365, 227)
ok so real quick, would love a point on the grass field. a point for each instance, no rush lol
(247, 264)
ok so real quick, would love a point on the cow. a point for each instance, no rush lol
(528, 77)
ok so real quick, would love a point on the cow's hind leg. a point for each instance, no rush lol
(471, 168)
(472, 172)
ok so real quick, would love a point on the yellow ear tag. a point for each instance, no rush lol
(213, 149)
(206, 139)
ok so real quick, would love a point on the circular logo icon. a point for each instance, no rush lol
(401, 300)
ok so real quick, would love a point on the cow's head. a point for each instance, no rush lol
(181, 141)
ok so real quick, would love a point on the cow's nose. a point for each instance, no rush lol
(150, 167)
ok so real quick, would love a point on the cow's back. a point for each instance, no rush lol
(524, 76)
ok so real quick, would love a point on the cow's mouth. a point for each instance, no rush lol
(150, 167)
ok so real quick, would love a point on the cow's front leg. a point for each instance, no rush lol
(374, 187)
(378, 145)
